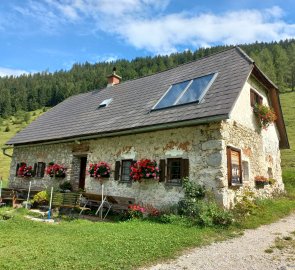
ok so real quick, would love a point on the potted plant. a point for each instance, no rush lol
(261, 181)
(144, 168)
(25, 171)
(100, 170)
(264, 115)
(56, 170)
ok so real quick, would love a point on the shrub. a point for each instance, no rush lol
(66, 186)
(41, 197)
(7, 129)
(135, 211)
(200, 211)
(246, 204)
(192, 189)
(210, 214)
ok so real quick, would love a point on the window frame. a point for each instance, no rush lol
(40, 169)
(121, 170)
(215, 74)
(255, 98)
(168, 166)
(229, 166)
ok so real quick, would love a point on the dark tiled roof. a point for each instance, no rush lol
(132, 101)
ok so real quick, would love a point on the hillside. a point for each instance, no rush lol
(17, 122)
(288, 106)
(8, 128)
(31, 92)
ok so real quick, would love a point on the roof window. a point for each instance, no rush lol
(186, 92)
(105, 103)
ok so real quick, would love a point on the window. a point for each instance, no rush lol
(105, 103)
(177, 169)
(234, 166)
(245, 171)
(255, 98)
(125, 171)
(39, 169)
(186, 92)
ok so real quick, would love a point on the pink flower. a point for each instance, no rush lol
(147, 175)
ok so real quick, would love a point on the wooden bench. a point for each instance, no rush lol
(68, 200)
(11, 196)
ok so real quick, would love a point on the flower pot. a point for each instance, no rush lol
(260, 184)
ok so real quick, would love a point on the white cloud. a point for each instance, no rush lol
(143, 24)
(11, 72)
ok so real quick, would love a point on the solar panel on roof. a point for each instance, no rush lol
(186, 92)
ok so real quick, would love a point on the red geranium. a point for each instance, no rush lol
(56, 170)
(100, 169)
(25, 171)
(144, 168)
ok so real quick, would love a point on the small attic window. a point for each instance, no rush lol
(186, 92)
(105, 103)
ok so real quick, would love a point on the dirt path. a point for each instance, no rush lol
(245, 252)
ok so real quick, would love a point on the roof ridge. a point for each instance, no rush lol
(244, 54)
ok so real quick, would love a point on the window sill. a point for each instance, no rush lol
(235, 186)
(173, 184)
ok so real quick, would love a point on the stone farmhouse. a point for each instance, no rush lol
(195, 120)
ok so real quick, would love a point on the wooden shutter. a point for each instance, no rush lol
(184, 168)
(228, 151)
(260, 99)
(35, 169)
(117, 170)
(162, 168)
(17, 167)
(43, 165)
(252, 98)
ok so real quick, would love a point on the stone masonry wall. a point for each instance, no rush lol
(202, 145)
(254, 153)
(58, 153)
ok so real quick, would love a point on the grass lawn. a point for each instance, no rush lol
(82, 244)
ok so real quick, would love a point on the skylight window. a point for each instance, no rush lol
(105, 103)
(186, 92)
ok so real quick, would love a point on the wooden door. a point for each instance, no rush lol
(83, 164)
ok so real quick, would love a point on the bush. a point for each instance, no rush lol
(66, 185)
(7, 129)
(193, 190)
(246, 204)
(210, 214)
(200, 211)
(41, 197)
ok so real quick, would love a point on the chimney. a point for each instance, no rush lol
(113, 79)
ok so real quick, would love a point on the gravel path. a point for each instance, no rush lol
(245, 252)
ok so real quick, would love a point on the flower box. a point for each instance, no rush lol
(261, 181)
(144, 169)
(264, 115)
(25, 171)
(99, 170)
(56, 170)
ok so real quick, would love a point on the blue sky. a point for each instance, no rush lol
(49, 35)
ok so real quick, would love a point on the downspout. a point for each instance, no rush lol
(4, 151)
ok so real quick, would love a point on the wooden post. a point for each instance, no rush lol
(101, 209)
(28, 194)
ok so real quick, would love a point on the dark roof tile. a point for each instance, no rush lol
(133, 100)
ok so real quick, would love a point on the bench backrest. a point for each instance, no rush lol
(68, 199)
